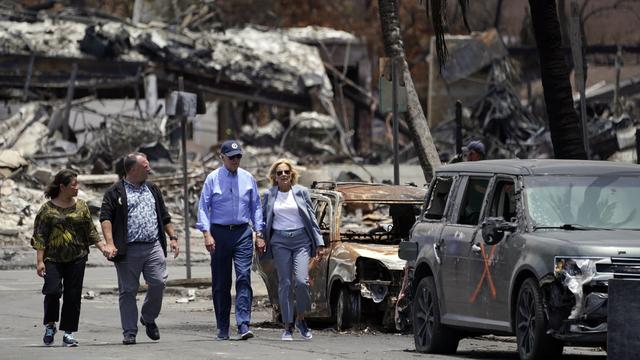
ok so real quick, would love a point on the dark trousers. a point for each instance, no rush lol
(231, 244)
(63, 280)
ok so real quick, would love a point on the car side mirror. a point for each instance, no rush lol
(493, 229)
(408, 250)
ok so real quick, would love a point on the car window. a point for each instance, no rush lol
(471, 205)
(438, 198)
(503, 203)
(323, 213)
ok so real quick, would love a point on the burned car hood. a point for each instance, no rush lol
(616, 240)
(386, 254)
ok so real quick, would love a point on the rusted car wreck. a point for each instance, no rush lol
(359, 277)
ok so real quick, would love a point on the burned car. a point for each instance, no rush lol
(524, 247)
(360, 273)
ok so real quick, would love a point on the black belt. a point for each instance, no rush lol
(230, 226)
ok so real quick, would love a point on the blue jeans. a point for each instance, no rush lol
(291, 253)
(231, 244)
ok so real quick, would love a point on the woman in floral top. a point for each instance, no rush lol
(63, 232)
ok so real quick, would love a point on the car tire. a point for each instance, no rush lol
(531, 325)
(429, 335)
(347, 309)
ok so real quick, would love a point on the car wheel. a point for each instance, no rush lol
(429, 335)
(347, 309)
(531, 325)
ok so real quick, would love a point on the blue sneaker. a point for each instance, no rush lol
(244, 333)
(304, 329)
(68, 340)
(49, 332)
(287, 334)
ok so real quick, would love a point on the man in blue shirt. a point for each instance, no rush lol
(228, 202)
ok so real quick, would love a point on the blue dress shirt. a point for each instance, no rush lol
(229, 198)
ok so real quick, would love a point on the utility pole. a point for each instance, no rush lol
(617, 108)
(393, 98)
(579, 71)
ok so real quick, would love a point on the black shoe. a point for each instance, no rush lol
(129, 340)
(49, 332)
(152, 330)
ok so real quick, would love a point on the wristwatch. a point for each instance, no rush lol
(259, 234)
(173, 237)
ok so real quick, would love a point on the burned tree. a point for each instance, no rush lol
(420, 133)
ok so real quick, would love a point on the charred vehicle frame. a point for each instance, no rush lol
(359, 276)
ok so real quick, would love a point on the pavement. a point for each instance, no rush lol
(103, 280)
(187, 329)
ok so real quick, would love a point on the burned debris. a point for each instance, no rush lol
(87, 88)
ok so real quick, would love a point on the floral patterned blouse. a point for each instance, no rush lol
(64, 234)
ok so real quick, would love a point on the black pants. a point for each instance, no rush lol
(63, 280)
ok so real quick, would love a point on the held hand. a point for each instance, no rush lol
(209, 242)
(40, 269)
(175, 248)
(261, 245)
(109, 251)
(320, 251)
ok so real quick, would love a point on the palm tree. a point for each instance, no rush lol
(416, 121)
(564, 124)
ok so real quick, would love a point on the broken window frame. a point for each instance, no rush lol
(446, 200)
(496, 190)
(462, 198)
(317, 200)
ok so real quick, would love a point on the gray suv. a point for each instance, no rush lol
(524, 247)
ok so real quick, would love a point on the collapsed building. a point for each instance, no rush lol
(82, 91)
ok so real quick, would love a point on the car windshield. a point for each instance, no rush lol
(573, 202)
(377, 222)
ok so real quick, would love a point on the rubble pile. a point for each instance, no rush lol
(613, 137)
(507, 128)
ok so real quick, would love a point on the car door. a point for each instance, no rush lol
(432, 221)
(493, 265)
(319, 268)
(457, 239)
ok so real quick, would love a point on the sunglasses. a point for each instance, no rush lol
(283, 172)
(235, 157)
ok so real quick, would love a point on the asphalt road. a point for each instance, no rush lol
(187, 329)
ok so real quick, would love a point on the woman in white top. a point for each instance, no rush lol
(293, 236)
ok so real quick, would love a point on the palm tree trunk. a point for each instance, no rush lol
(564, 125)
(416, 121)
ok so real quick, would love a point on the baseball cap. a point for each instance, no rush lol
(476, 146)
(230, 148)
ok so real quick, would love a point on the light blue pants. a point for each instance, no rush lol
(291, 253)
